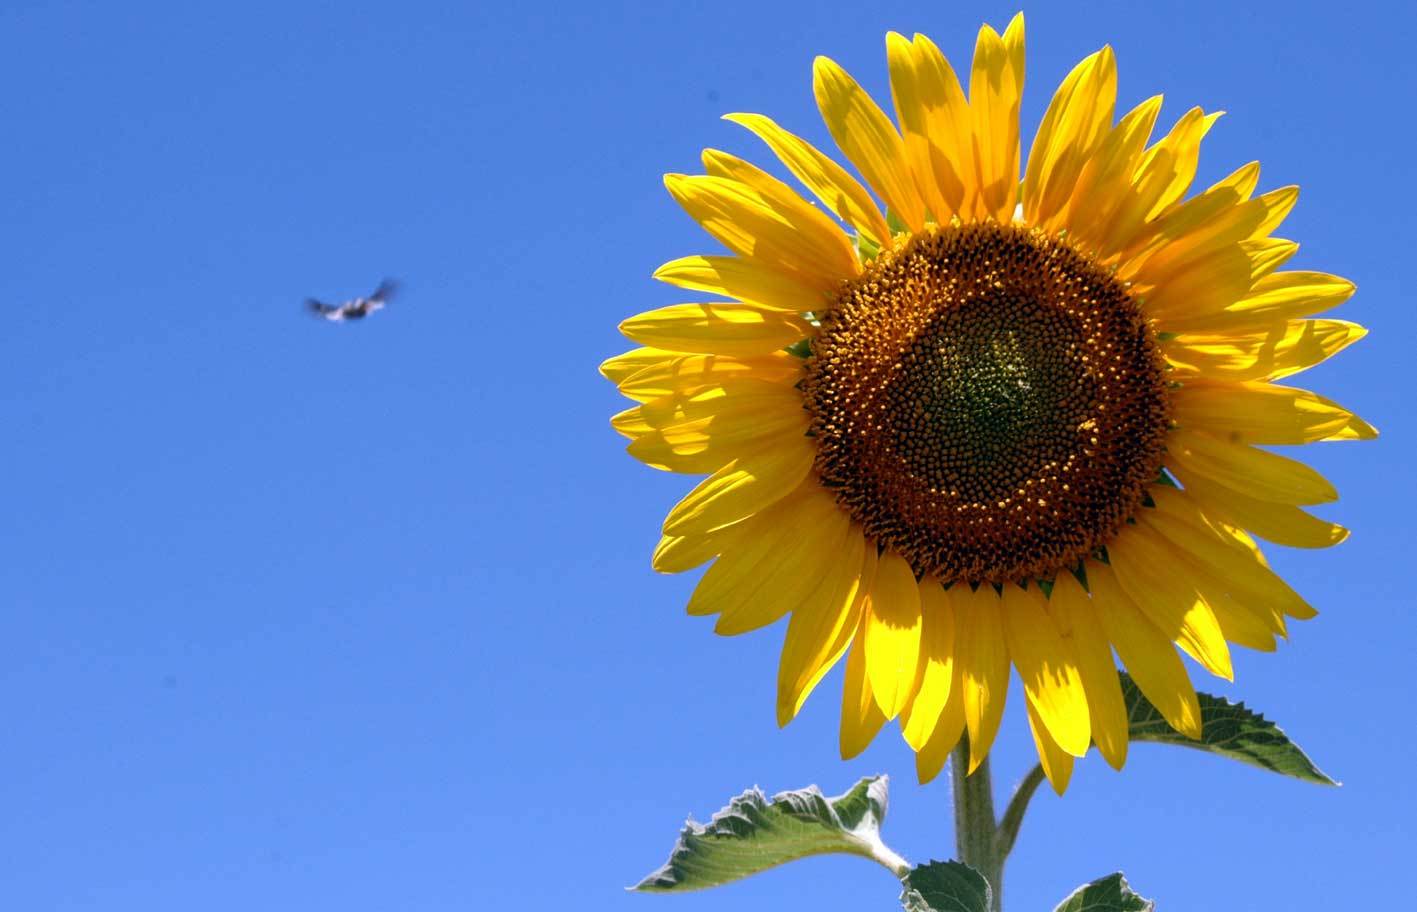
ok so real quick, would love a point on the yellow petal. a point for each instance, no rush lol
(743, 409)
(721, 329)
(1284, 296)
(775, 566)
(794, 583)
(1245, 469)
(1165, 172)
(704, 446)
(1283, 524)
(1145, 651)
(930, 759)
(1182, 228)
(1273, 353)
(1233, 556)
(1175, 158)
(866, 136)
(1241, 624)
(995, 89)
(1075, 125)
(829, 181)
(675, 554)
(982, 654)
(682, 374)
(748, 485)
(908, 93)
(1199, 295)
(1242, 620)
(745, 395)
(1076, 617)
(819, 632)
(1057, 764)
(861, 718)
(751, 225)
(748, 280)
(892, 639)
(632, 422)
(1048, 668)
(937, 672)
(1265, 413)
(949, 128)
(1105, 182)
(621, 367)
(731, 578)
(822, 229)
(704, 458)
(1298, 608)
(1225, 575)
(1143, 565)
(1194, 239)
(688, 374)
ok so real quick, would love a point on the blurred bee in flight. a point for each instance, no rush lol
(356, 308)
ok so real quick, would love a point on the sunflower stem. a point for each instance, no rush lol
(1013, 814)
(977, 834)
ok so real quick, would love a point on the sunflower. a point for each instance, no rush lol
(1004, 424)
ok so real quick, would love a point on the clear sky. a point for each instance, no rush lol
(307, 616)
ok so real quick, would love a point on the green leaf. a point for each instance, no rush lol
(1228, 729)
(1109, 894)
(754, 833)
(895, 223)
(946, 886)
(866, 249)
(802, 348)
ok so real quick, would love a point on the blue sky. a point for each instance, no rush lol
(360, 617)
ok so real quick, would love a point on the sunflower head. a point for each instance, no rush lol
(1002, 424)
(988, 402)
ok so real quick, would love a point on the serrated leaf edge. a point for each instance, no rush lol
(863, 839)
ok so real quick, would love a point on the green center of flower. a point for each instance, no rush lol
(988, 402)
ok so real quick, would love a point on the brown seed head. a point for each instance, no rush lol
(988, 402)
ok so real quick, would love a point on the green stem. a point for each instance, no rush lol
(976, 833)
(1013, 814)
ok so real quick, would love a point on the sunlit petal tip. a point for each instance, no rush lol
(713, 160)
(1049, 669)
(892, 627)
(1357, 429)
(1057, 764)
(819, 635)
(861, 720)
(1283, 199)
(925, 771)
(607, 367)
